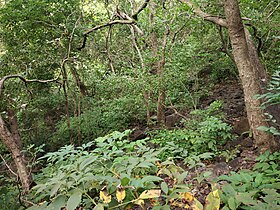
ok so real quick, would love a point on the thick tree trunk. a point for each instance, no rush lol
(250, 73)
(11, 142)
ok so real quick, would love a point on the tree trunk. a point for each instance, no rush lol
(14, 127)
(11, 142)
(250, 73)
(158, 68)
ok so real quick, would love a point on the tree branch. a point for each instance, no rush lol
(211, 18)
(114, 22)
(143, 6)
(224, 48)
(125, 19)
(2, 80)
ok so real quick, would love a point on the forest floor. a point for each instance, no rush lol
(242, 152)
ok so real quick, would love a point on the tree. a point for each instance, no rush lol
(10, 135)
(11, 140)
(251, 70)
(247, 65)
(36, 44)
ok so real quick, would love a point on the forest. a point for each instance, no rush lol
(139, 104)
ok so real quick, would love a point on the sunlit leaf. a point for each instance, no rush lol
(213, 201)
(139, 202)
(196, 205)
(150, 194)
(105, 197)
(187, 196)
(120, 194)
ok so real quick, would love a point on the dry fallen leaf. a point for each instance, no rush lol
(187, 196)
(120, 194)
(139, 202)
(105, 197)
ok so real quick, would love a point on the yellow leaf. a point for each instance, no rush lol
(196, 205)
(154, 201)
(158, 164)
(177, 204)
(216, 193)
(187, 196)
(186, 206)
(139, 202)
(120, 194)
(150, 194)
(104, 196)
(213, 201)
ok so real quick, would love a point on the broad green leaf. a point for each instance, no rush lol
(58, 203)
(99, 207)
(247, 198)
(182, 177)
(259, 179)
(164, 187)
(74, 200)
(231, 203)
(55, 189)
(125, 181)
(145, 164)
(87, 162)
(151, 179)
(229, 190)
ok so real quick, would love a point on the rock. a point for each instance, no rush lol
(241, 126)
(172, 120)
(137, 134)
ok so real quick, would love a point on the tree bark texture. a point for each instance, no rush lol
(10, 141)
(250, 73)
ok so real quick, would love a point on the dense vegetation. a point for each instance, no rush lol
(139, 104)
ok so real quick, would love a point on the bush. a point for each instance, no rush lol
(204, 132)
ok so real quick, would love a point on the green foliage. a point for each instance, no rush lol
(9, 193)
(100, 119)
(257, 189)
(204, 132)
(76, 176)
(230, 154)
(273, 91)
(271, 97)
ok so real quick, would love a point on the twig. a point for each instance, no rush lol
(9, 168)
(224, 44)
(134, 42)
(175, 110)
(29, 202)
